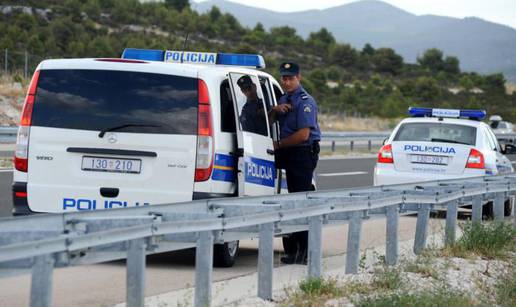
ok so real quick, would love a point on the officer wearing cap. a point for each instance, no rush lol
(297, 151)
(252, 116)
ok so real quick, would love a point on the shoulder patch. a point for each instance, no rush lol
(304, 97)
(307, 109)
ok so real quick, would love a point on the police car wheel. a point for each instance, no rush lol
(224, 255)
(507, 208)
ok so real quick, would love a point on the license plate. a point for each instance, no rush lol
(439, 160)
(113, 165)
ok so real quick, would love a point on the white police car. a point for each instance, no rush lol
(438, 144)
(149, 128)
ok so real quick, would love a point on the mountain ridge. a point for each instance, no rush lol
(481, 45)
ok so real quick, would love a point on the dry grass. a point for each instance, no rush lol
(11, 88)
(341, 123)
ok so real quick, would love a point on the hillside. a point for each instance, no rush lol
(365, 81)
(482, 46)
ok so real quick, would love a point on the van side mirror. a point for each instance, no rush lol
(509, 149)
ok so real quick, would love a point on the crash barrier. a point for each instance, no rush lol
(353, 140)
(8, 134)
(47, 241)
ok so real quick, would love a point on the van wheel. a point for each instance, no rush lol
(289, 245)
(224, 255)
(507, 208)
(487, 210)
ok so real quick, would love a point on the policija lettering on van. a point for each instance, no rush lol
(429, 149)
(260, 171)
(92, 204)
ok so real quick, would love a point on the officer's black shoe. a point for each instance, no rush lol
(288, 259)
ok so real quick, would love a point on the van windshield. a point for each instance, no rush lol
(102, 99)
(437, 132)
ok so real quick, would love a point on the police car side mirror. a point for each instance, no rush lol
(509, 149)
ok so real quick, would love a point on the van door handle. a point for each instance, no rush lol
(270, 152)
(109, 192)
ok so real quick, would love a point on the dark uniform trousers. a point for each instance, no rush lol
(299, 163)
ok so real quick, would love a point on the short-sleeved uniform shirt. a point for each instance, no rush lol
(302, 115)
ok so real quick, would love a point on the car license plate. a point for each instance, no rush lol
(114, 165)
(439, 160)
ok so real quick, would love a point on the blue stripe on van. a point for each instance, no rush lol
(224, 168)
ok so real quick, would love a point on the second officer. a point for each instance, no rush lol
(297, 151)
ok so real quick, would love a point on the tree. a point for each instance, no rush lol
(368, 50)
(386, 60)
(215, 13)
(321, 40)
(432, 59)
(343, 55)
(177, 4)
(427, 88)
(451, 65)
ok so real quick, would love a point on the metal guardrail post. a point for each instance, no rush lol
(332, 146)
(391, 250)
(41, 284)
(203, 269)
(369, 145)
(451, 223)
(315, 247)
(353, 246)
(476, 210)
(498, 206)
(265, 261)
(351, 145)
(423, 215)
(135, 279)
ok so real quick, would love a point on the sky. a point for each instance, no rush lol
(499, 11)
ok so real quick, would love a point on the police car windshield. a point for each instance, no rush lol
(437, 132)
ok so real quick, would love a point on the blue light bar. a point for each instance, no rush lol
(246, 60)
(252, 60)
(143, 54)
(454, 113)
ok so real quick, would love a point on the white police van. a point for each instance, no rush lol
(152, 127)
(439, 144)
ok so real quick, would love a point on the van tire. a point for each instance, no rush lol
(487, 210)
(507, 208)
(289, 244)
(224, 255)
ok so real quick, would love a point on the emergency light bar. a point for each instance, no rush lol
(206, 58)
(454, 113)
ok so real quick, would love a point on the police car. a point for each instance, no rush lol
(151, 127)
(438, 144)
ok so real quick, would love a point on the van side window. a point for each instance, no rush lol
(227, 112)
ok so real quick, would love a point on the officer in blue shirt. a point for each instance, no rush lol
(252, 116)
(297, 151)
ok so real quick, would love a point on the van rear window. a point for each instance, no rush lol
(437, 132)
(101, 99)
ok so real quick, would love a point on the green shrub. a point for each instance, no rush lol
(488, 240)
(422, 299)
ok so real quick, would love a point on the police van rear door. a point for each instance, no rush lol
(257, 172)
(106, 138)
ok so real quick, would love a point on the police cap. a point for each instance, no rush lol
(245, 82)
(289, 69)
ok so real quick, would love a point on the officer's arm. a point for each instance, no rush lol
(299, 137)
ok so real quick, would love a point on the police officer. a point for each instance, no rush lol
(252, 116)
(298, 147)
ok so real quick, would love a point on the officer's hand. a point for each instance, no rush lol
(283, 108)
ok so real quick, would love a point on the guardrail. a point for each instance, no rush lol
(44, 242)
(8, 134)
(353, 140)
